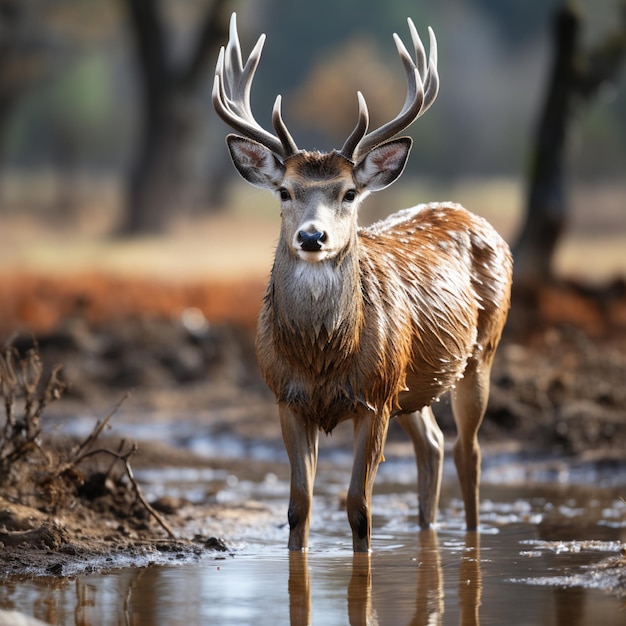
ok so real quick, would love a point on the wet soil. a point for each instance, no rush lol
(558, 395)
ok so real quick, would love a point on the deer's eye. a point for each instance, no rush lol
(284, 194)
(349, 196)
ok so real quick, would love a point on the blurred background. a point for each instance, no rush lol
(118, 199)
(107, 133)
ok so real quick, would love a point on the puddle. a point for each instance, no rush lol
(528, 565)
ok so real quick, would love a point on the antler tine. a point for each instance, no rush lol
(359, 130)
(422, 88)
(432, 79)
(281, 129)
(231, 95)
(428, 77)
(418, 46)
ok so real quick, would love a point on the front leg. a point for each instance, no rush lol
(301, 438)
(370, 433)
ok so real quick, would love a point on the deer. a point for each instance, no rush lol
(368, 323)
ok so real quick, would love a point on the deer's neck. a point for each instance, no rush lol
(315, 350)
(317, 304)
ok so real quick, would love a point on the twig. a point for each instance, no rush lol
(146, 504)
(97, 430)
(8, 384)
(30, 375)
(20, 377)
(131, 477)
(84, 451)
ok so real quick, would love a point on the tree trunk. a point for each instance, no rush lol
(546, 211)
(575, 79)
(155, 184)
(170, 119)
(23, 50)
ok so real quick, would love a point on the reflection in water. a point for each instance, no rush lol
(362, 589)
(299, 589)
(427, 578)
(525, 575)
(569, 607)
(124, 598)
(429, 607)
(470, 581)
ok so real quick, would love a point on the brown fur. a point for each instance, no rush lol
(413, 302)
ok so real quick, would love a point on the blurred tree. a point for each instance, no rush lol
(21, 55)
(517, 22)
(170, 91)
(576, 78)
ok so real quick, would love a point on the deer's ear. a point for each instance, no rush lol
(382, 165)
(256, 163)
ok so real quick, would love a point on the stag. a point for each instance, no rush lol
(373, 323)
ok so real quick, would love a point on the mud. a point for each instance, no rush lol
(558, 393)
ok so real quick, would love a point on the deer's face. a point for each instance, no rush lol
(319, 198)
(319, 193)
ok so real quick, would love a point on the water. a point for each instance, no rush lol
(529, 564)
(442, 578)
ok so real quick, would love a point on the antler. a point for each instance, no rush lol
(423, 85)
(231, 96)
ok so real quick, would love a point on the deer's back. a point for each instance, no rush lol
(450, 273)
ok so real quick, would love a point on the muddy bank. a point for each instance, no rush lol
(91, 517)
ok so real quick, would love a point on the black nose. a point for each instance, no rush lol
(311, 242)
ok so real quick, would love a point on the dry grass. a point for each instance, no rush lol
(58, 474)
(25, 396)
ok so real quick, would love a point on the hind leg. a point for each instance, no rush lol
(427, 441)
(469, 402)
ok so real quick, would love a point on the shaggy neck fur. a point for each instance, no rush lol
(309, 335)
(316, 313)
(313, 347)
